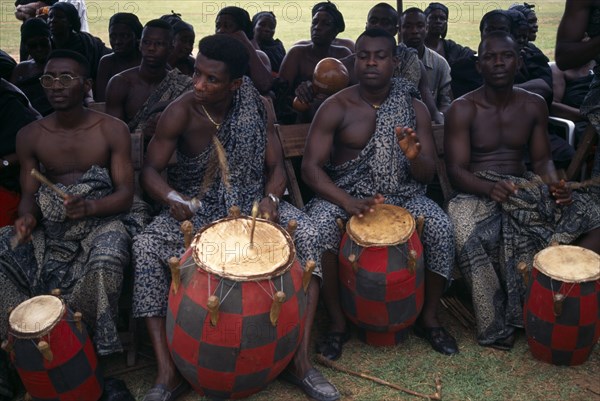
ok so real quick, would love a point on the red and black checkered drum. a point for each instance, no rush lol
(237, 317)
(562, 306)
(52, 351)
(381, 274)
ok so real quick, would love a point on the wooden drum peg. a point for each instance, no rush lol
(175, 273)
(235, 211)
(56, 292)
(558, 304)
(354, 262)
(522, 268)
(44, 348)
(340, 225)
(187, 228)
(213, 309)
(291, 227)
(308, 271)
(278, 300)
(412, 261)
(420, 225)
(77, 317)
(7, 346)
(27, 397)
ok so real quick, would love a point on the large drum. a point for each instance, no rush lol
(381, 274)
(562, 306)
(52, 351)
(237, 316)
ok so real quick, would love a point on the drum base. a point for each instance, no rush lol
(383, 339)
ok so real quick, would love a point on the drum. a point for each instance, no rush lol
(237, 315)
(382, 275)
(52, 351)
(562, 305)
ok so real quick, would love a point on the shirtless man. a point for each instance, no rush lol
(351, 151)
(139, 94)
(223, 106)
(487, 133)
(78, 244)
(299, 63)
(124, 33)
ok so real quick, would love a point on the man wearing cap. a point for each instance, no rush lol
(296, 73)
(35, 37)
(124, 33)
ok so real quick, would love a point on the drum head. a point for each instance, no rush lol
(36, 316)
(224, 248)
(568, 263)
(386, 226)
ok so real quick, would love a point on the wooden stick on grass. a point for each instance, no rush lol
(437, 396)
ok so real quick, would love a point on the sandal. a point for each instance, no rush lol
(331, 345)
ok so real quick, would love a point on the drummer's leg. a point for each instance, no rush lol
(159, 241)
(438, 243)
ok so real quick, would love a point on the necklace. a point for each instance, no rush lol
(217, 126)
(373, 106)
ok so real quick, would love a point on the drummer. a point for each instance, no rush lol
(354, 160)
(225, 106)
(504, 209)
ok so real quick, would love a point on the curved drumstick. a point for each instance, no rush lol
(254, 214)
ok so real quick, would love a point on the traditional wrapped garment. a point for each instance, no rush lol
(243, 135)
(84, 258)
(381, 167)
(492, 238)
(171, 87)
(408, 66)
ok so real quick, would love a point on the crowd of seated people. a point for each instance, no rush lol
(226, 101)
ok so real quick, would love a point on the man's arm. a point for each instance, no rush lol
(116, 96)
(428, 99)
(422, 167)
(276, 180)
(539, 145)
(445, 90)
(571, 52)
(558, 108)
(102, 78)
(537, 86)
(259, 73)
(29, 212)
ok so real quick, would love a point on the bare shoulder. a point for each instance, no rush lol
(467, 103)
(340, 51)
(528, 99)
(32, 130)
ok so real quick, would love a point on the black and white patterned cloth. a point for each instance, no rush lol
(382, 167)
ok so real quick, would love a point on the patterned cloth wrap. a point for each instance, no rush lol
(492, 238)
(84, 258)
(381, 167)
(243, 135)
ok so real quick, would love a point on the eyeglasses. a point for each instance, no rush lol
(64, 80)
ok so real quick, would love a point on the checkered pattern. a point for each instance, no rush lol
(244, 352)
(567, 339)
(73, 373)
(383, 296)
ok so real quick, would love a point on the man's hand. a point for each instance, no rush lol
(409, 142)
(502, 190)
(359, 207)
(561, 192)
(77, 207)
(24, 226)
(267, 207)
(180, 210)
(304, 92)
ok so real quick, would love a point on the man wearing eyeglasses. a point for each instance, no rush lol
(78, 241)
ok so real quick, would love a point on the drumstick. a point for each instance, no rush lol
(254, 214)
(332, 365)
(40, 177)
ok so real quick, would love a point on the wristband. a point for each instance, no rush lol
(274, 199)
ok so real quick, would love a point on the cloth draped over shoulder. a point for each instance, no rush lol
(382, 167)
(243, 137)
(492, 238)
(275, 51)
(408, 66)
(171, 87)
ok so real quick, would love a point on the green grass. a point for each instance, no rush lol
(293, 18)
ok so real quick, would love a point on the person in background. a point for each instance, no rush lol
(530, 15)
(35, 36)
(65, 27)
(235, 21)
(413, 25)
(263, 26)
(296, 73)
(124, 33)
(183, 43)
